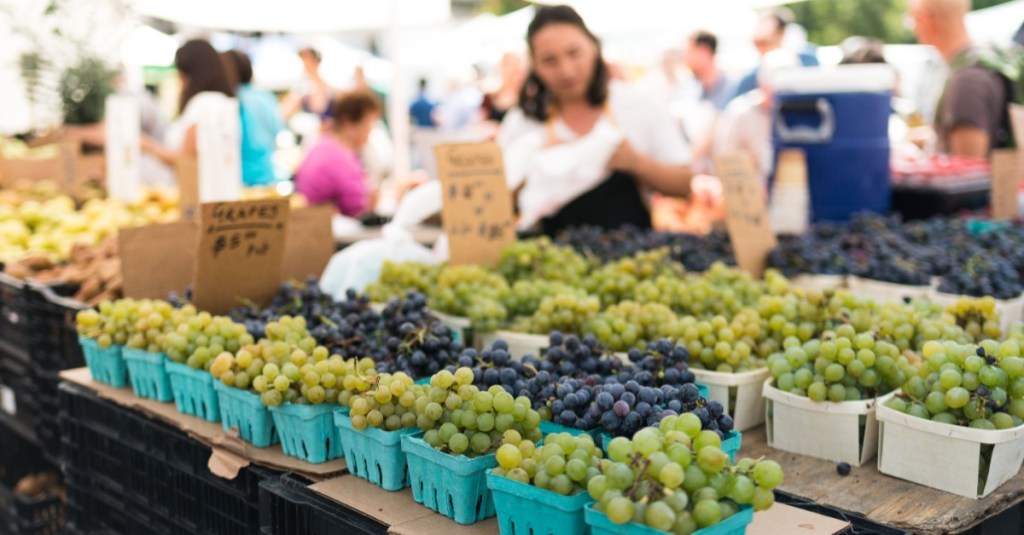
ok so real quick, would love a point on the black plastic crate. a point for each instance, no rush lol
(20, 515)
(53, 339)
(288, 507)
(17, 390)
(148, 465)
(44, 405)
(14, 336)
(93, 510)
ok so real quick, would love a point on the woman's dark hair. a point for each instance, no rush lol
(314, 53)
(354, 106)
(534, 96)
(858, 49)
(238, 65)
(205, 71)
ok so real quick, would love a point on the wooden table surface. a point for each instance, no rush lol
(880, 498)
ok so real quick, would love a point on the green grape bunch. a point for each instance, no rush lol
(981, 386)
(472, 422)
(676, 478)
(564, 464)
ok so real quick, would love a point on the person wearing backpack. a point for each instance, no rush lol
(971, 118)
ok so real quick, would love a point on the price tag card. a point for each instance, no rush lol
(123, 126)
(157, 259)
(477, 211)
(746, 216)
(1006, 168)
(309, 244)
(219, 154)
(241, 253)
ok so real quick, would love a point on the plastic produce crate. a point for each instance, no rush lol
(455, 486)
(20, 515)
(374, 454)
(193, 391)
(148, 374)
(840, 432)
(547, 428)
(307, 431)
(600, 525)
(739, 393)
(17, 391)
(288, 507)
(106, 365)
(15, 335)
(527, 510)
(921, 451)
(116, 455)
(243, 410)
(55, 343)
(45, 405)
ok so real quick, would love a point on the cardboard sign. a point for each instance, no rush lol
(123, 127)
(240, 254)
(790, 207)
(219, 154)
(745, 214)
(309, 244)
(186, 169)
(1006, 170)
(477, 210)
(158, 259)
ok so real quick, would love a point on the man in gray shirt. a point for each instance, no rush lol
(971, 119)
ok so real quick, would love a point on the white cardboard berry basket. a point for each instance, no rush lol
(946, 457)
(1010, 310)
(840, 432)
(739, 393)
(519, 344)
(461, 327)
(818, 283)
(885, 292)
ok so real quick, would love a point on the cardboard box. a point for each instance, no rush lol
(785, 519)
(230, 454)
(840, 432)
(819, 283)
(946, 457)
(885, 292)
(519, 344)
(739, 393)
(396, 509)
(461, 328)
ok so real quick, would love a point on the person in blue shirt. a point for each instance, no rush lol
(260, 122)
(422, 109)
(768, 36)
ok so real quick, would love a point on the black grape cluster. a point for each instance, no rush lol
(663, 363)
(695, 252)
(420, 351)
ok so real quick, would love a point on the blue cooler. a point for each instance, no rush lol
(840, 117)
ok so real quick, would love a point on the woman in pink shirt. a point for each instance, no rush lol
(332, 172)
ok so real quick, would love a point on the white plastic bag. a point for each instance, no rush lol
(359, 264)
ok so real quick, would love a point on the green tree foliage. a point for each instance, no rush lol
(828, 22)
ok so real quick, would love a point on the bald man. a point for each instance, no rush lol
(971, 118)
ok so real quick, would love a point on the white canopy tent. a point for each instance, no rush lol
(296, 16)
(997, 24)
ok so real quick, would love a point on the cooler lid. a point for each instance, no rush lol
(867, 78)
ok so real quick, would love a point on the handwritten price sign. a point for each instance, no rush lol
(746, 215)
(241, 252)
(477, 211)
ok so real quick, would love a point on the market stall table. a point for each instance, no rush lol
(880, 498)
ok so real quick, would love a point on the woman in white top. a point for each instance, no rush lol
(582, 148)
(206, 94)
